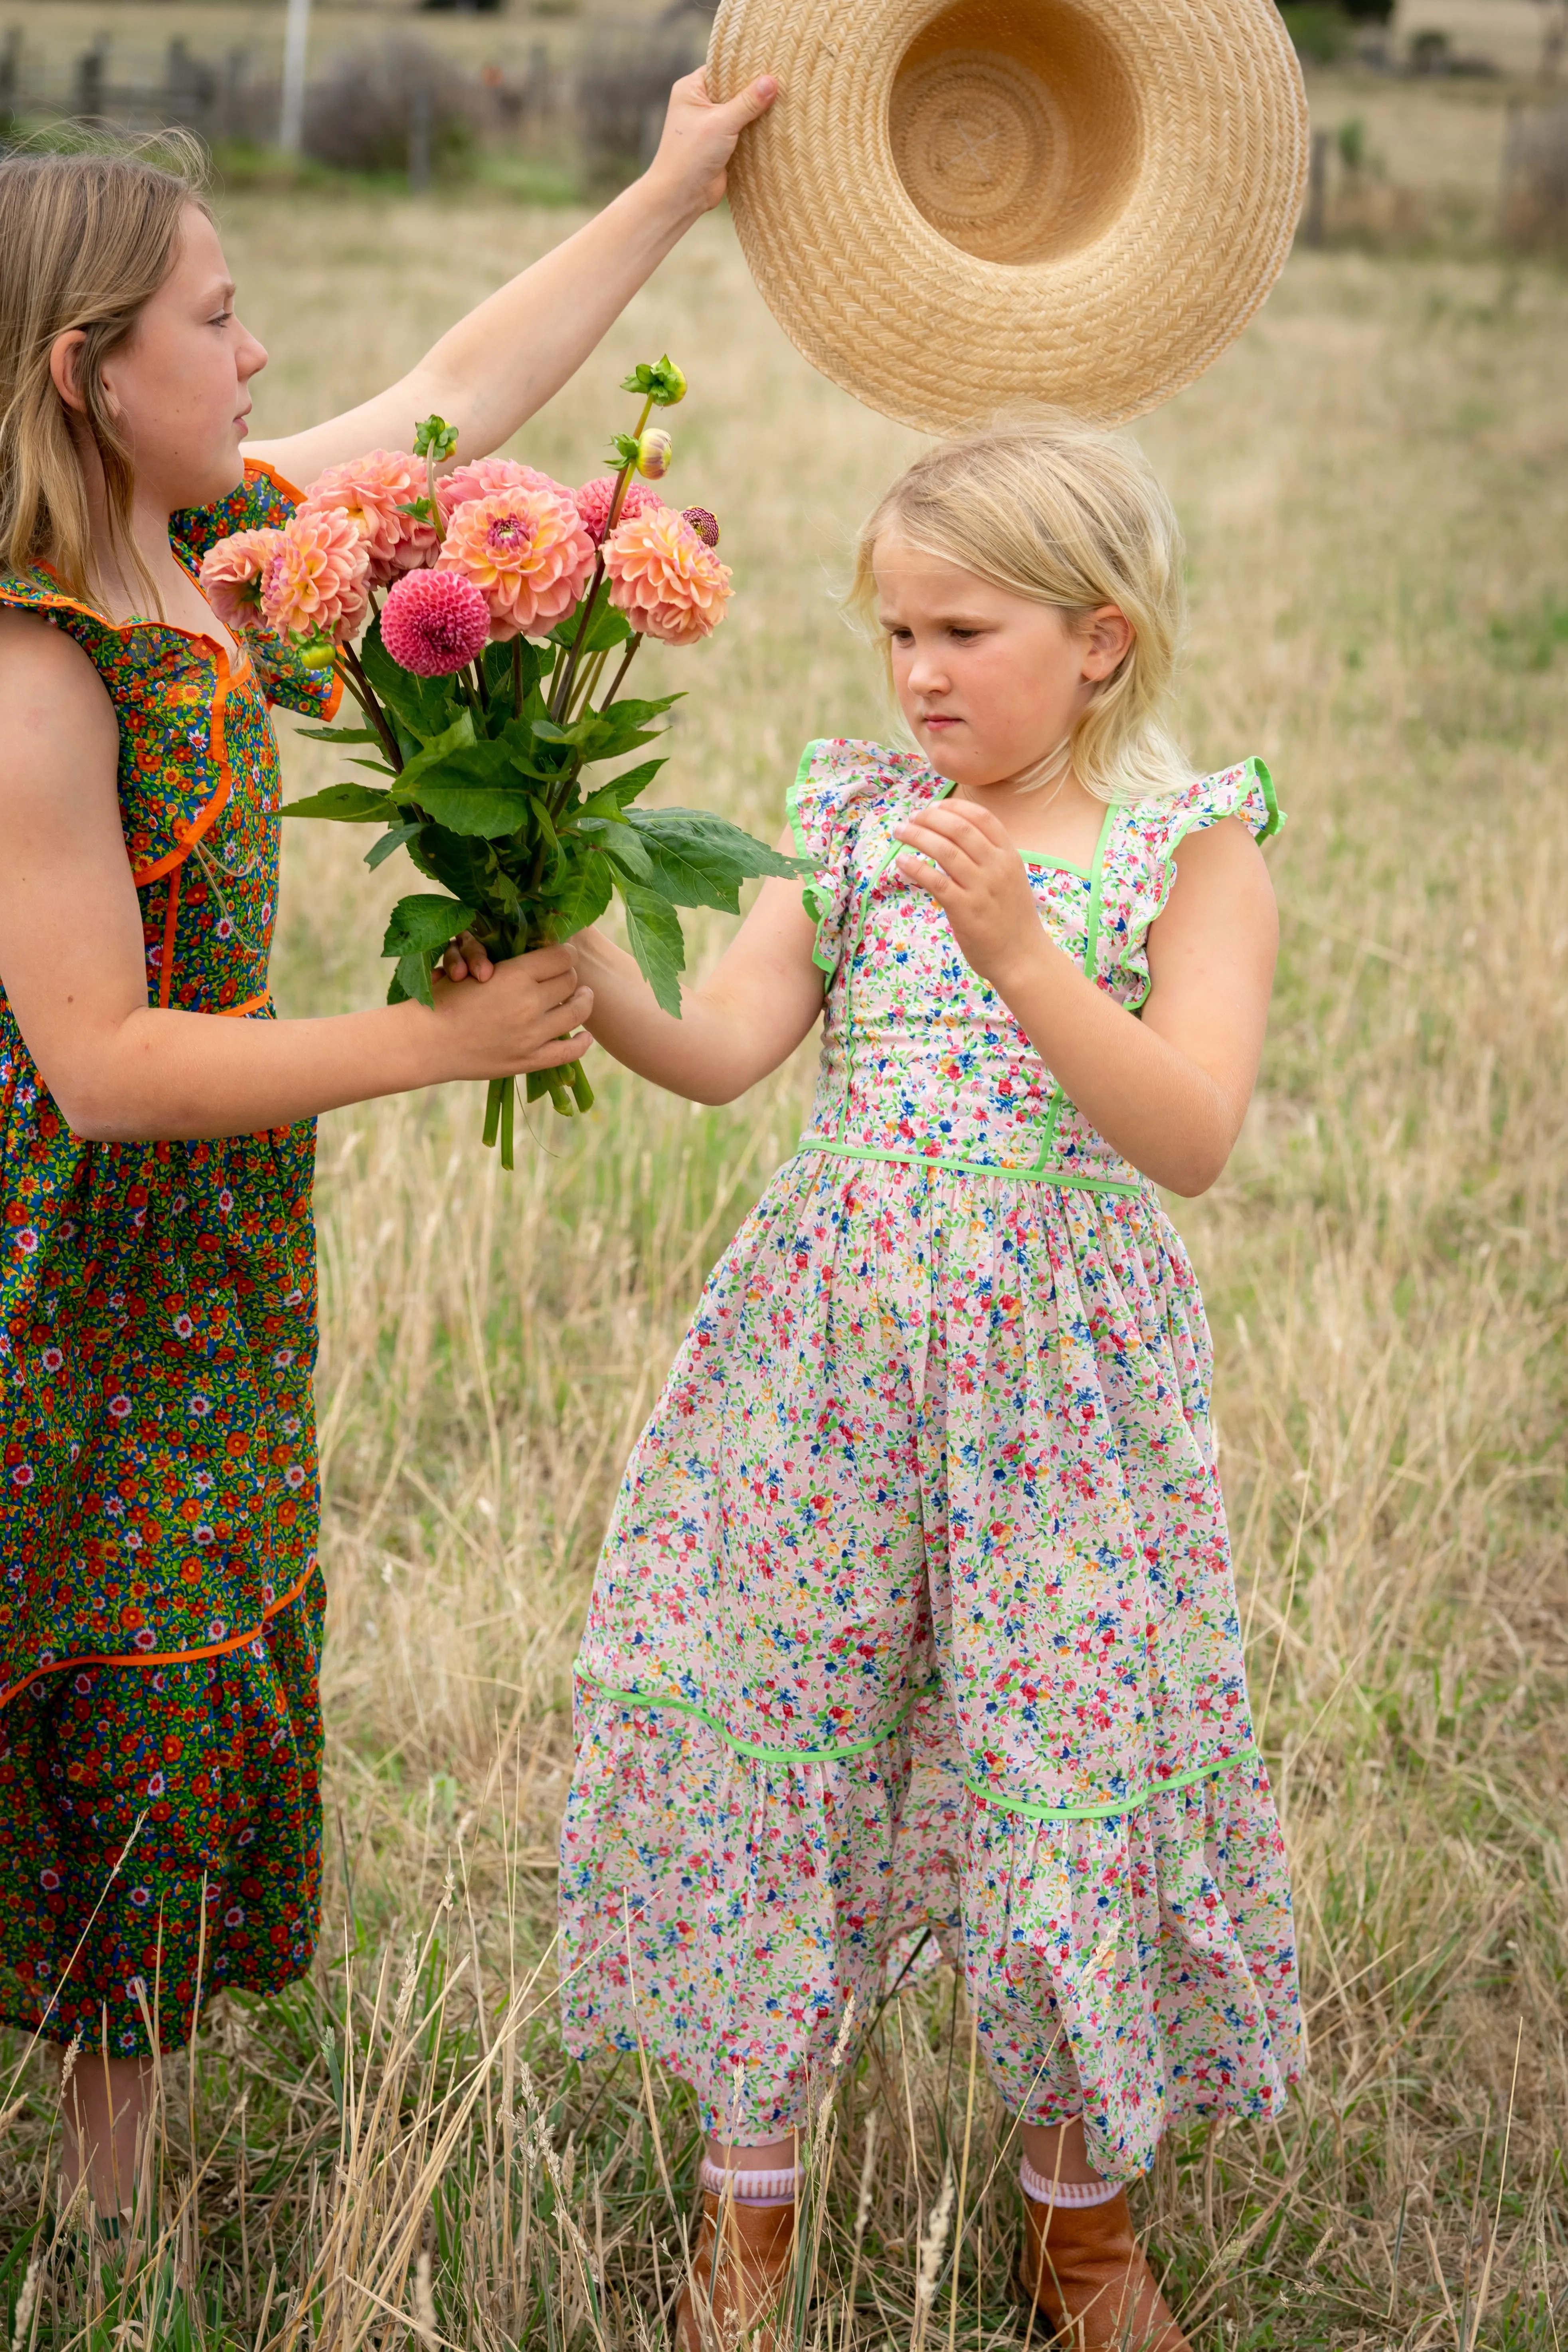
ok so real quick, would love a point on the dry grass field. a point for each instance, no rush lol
(1375, 491)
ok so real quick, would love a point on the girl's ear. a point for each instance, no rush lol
(65, 368)
(1107, 641)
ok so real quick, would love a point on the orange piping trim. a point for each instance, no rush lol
(163, 1657)
(170, 920)
(236, 1011)
(285, 489)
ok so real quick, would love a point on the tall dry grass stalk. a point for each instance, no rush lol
(396, 2152)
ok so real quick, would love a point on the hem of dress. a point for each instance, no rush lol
(842, 1750)
(163, 1657)
(265, 1986)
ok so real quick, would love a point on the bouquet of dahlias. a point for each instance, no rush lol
(474, 616)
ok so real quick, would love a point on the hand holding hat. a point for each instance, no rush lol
(965, 204)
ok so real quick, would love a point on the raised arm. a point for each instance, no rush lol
(490, 372)
(761, 998)
(72, 960)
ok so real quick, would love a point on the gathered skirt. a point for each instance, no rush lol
(917, 1610)
(161, 1837)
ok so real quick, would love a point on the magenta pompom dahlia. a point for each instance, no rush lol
(593, 503)
(434, 621)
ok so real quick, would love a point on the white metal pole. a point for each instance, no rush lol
(296, 41)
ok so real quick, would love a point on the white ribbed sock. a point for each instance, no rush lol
(1044, 2192)
(746, 2187)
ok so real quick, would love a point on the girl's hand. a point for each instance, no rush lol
(967, 862)
(698, 139)
(520, 1021)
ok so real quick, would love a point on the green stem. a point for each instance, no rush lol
(492, 1111)
(353, 676)
(620, 674)
(582, 1090)
(508, 1101)
(517, 677)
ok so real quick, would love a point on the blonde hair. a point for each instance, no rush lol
(86, 240)
(1066, 514)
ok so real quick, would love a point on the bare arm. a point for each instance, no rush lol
(72, 960)
(490, 372)
(761, 998)
(1170, 1090)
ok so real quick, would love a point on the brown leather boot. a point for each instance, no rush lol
(731, 2297)
(1084, 2269)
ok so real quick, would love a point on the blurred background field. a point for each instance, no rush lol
(1374, 489)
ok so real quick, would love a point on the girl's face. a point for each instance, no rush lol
(179, 383)
(988, 682)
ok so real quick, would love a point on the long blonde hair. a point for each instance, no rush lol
(1066, 514)
(86, 240)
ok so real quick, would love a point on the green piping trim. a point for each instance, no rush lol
(1276, 815)
(808, 897)
(846, 1748)
(1096, 892)
(1060, 864)
(836, 1755)
(1117, 1804)
(1035, 1175)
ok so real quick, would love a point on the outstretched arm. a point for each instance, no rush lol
(73, 963)
(490, 372)
(1170, 1089)
(761, 998)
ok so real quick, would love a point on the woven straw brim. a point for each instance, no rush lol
(952, 209)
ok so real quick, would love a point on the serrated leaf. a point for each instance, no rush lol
(619, 842)
(458, 737)
(488, 811)
(415, 977)
(380, 851)
(549, 731)
(581, 897)
(345, 804)
(424, 924)
(715, 844)
(655, 938)
(339, 734)
(611, 799)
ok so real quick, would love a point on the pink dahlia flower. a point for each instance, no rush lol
(434, 621)
(526, 551)
(316, 584)
(487, 475)
(232, 573)
(371, 491)
(666, 581)
(593, 503)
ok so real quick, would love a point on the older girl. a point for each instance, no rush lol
(160, 1593)
(917, 1605)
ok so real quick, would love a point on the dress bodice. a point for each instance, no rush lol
(921, 1060)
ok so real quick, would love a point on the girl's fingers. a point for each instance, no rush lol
(470, 958)
(922, 876)
(952, 857)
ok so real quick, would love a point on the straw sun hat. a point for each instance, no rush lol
(953, 207)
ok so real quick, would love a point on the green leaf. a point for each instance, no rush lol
(654, 935)
(345, 804)
(623, 727)
(487, 810)
(620, 842)
(339, 734)
(434, 437)
(548, 730)
(438, 748)
(611, 799)
(714, 842)
(535, 663)
(417, 931)
(380, 851)
(581, 897)
(606, 628)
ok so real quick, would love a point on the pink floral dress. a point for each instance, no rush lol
(916, 1608)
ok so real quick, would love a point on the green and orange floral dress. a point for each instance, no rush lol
(160, 1601)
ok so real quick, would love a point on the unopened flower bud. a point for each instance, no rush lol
(318, 653)
(704, 524)
(655, 451)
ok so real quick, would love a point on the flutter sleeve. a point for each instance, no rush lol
(822, 805)
(264, 501)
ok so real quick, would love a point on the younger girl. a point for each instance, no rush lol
(917, 1604)
(160, 1596)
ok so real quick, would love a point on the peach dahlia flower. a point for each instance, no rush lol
(526, 551)
(232, 574)
(316, 584)
(370, 491)
(486, 475)
(666, 581)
